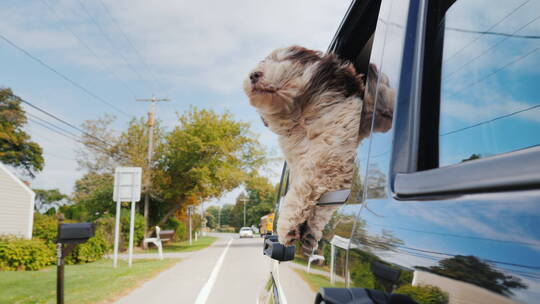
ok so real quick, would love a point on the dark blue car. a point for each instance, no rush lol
(444, 207)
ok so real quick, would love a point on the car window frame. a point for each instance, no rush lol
(414, 167)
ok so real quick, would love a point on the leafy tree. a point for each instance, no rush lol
(473, 270)
(260, 195)
(16, 148)
(206, 155)
(49, 199)
(92, 196)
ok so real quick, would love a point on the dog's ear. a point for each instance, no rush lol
(378, 103)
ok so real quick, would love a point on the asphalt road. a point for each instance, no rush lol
(232, 270)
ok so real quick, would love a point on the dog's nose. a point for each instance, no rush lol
(254, 77)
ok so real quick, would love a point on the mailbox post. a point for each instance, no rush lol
(69, 235)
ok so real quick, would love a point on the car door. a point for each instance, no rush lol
(451, 201)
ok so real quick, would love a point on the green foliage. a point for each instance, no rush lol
(45, 227)
(138, 232)
(424, 294)
(49, 199)
(90, 251)
(180, 230)
(204, 156)
(93, 197)
(22, 254)
(260, 195)
(16, 148)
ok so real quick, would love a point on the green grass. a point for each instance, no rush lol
(316, 281)
(96, 282)
(183, 246)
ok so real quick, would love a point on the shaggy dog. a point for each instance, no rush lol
(313, 102)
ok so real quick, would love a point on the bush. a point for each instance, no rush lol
(424, 294)
(22, 254)
(90, 251)
(45, 227)
(180, 230)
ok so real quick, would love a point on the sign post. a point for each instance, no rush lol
(127, 188)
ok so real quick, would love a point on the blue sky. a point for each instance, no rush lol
(194, 52)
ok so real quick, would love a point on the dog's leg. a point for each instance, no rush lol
(313, 230)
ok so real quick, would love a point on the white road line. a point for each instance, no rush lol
(205, 290)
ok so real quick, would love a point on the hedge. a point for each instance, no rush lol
(424, 294)
(22, 254)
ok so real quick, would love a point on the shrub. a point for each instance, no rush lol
(45, 227)
(90, 251)
(180, 230)
(424, 294)
(22, 254)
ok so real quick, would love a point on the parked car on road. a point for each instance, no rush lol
(445, 207)
(245, 232)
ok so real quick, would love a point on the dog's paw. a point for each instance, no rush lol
(290, 237)
(309, 243)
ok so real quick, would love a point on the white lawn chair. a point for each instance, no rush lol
(312, 258)
(156, 241)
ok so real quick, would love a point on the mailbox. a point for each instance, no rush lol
(277, 251)
(75, 233)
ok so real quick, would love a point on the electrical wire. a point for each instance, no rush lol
(73, 82)
(449, 75)
(85, 45)
(490, 28)
(63, 121)
(136, 51)
(109, 40)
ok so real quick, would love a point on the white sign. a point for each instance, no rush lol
(127, 184)
(127, 188)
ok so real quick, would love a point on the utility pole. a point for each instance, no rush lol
(219, 217)
(190, 211)
(203, 220)
(151, 122)
(244, 200)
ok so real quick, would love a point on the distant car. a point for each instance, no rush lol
(245, 232)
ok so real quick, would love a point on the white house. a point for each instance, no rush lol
(16, 205)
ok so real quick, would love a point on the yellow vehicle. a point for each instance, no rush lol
(267, 224)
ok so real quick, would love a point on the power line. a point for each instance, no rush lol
(490, 28)
(35, 117)
(491, 120)
(63, 121)
(109, 40)
(107, 67)
(455, 29)
(53, 130)
(153, 74)
(502, 116)
(73, 82)
(449, 75)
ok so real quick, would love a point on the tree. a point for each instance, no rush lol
(206, 155)
(473, 270)
(16, 148)
(49, 199)
(260, 200)
(92, 196)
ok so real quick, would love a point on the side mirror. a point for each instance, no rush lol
(75, 233)
(277, 251)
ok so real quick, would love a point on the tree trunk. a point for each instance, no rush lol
(169, 214)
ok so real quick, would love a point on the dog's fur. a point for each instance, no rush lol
(313, 102)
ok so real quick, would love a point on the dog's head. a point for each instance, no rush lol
(276, 82)
(377, 102)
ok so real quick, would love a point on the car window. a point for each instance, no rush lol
(490, 93)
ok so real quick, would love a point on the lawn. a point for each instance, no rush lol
(316, 281)
(183, 246)
(96, 282)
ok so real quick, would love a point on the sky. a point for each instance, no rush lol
(82, 59)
